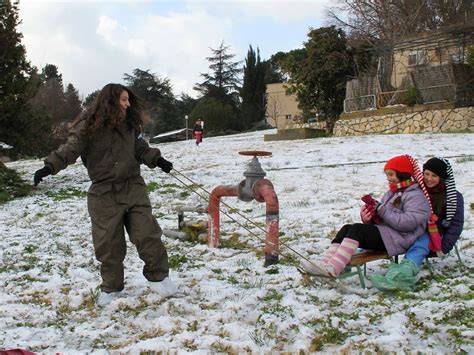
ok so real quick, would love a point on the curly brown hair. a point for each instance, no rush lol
(106, 112)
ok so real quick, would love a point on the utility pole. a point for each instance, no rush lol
(186, 118)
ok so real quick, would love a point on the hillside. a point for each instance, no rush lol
(228, 301)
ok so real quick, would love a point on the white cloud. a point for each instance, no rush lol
(108, 28)
(92, 47)
(96, 42)
(283, 11)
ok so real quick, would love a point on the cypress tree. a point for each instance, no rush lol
(253, 89)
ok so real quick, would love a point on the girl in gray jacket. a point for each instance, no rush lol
(391, 225)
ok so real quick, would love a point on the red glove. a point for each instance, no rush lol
(372, 205)
(366, 215)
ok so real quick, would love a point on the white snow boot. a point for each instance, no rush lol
(314, 267)
(106, 298)
(165, 288)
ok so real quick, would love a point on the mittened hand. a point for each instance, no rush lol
(366, 214)
(369, 200)
(41, 173)
(164, 164)
(371, 206)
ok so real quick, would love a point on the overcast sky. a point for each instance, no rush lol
(96, 42)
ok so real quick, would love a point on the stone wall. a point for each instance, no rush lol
(413, 120)
(295, 133)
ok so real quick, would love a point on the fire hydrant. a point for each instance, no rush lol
(254, 186)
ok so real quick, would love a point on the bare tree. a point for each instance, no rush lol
(274, 108)
(387, 21)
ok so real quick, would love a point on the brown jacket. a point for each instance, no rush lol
(112, 156)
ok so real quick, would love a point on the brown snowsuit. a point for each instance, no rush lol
(116, 199)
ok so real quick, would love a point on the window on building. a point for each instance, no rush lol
(418, 58)
(288, 117)
(412, 59)
(455, 58)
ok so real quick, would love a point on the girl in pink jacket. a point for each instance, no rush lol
(391, 225)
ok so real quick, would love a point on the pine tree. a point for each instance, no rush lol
(51, 71)
(253, 90)
(73, 103)
(14, 78)
(222, 83)
(160, 103)
(222, 78)
(50, 100)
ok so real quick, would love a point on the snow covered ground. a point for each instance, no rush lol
(229, 302)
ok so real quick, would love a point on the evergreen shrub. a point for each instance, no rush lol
(12, 185)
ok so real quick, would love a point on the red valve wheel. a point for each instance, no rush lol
(255, 153)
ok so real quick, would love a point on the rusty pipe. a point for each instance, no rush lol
(263, 191)
(213, 211)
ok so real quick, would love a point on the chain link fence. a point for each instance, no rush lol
(441, 83)
(361, 103)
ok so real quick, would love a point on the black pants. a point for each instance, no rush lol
(367, 235)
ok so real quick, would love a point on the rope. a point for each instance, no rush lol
(238, 213)
(252, 222)
(334, 165)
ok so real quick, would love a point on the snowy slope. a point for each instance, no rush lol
(229, 302)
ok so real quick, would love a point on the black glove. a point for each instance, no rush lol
(41, 173)
(164, 164)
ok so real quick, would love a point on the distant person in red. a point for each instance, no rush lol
(198, 130)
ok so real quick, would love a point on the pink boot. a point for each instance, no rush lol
(342, 256)
(328, 254)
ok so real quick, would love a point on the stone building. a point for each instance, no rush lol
(431, 64)
(424, 84)
(282, 109)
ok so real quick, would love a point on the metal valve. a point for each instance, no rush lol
(253, 173)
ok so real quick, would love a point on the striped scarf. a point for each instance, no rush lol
(451, 197)
(400, 185)
(435, 236)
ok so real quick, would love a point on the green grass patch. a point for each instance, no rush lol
(233, 280)
(65, 194)
(175, 261)
(342, 315)
(30, 248)
(233, 242)
(193, 233)
(272, 270)
(282, 312)
(327, 335)
(152, 186)
(168, 188)
(272, 295)
(184, 194)
(460, 316)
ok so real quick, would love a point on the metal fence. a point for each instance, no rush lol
(438, 83)
(438, 93)
(361, 103)
(390, 98)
